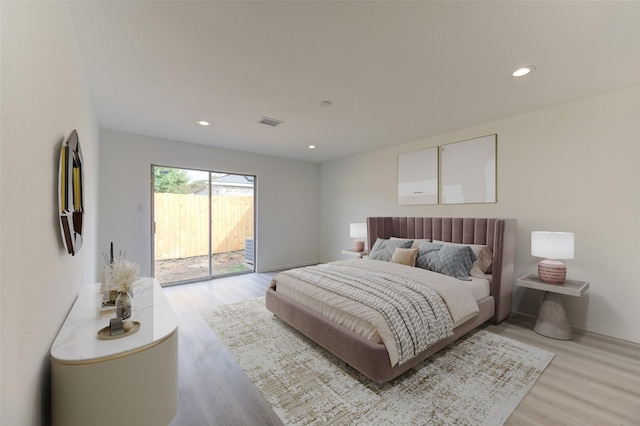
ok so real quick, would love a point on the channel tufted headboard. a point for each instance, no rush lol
(497, 234)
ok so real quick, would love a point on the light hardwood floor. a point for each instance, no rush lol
(592, 380)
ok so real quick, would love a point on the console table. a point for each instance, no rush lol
(131, 380)
(552, 319)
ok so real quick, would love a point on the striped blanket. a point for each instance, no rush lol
(416, 314)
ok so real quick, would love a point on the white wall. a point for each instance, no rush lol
(573, 167)
(44, 97)
(288, 197)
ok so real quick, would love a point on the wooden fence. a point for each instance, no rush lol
(182, 224)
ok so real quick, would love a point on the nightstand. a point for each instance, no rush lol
(552, 319)
(352, 252)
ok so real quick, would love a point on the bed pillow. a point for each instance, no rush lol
(484, 258)
(452, 260)
(456, 261)
(428, 257)
(405, 256)
(481, 268)
(416, 242)
(383, 249)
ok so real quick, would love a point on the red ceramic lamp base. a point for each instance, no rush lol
(552, 271)
(358, 245)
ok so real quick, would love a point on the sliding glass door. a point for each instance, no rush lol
(203, 224)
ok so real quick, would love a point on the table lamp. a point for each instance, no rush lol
(552, 246)
(359, 232)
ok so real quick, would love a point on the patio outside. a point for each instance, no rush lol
(174, 270)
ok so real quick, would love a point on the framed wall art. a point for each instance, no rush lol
(71, 193)
(418, 177)
(469, 171)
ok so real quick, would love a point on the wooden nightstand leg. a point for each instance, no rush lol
(552, 318)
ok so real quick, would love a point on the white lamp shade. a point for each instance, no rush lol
(552, 245)
(358, 230)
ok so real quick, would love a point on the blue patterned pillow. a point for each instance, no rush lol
(428, 257)
(383, 249)
(454, 261)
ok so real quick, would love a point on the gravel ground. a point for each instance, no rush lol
(173, 270)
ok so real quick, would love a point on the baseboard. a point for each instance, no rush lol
(289, 266)
(599, 332)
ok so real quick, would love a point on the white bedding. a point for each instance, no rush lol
(480, 287)
(459, 296)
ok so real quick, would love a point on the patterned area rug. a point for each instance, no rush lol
(479, 380)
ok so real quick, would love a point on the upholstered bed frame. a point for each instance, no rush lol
(372, 359)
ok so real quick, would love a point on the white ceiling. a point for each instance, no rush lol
(394, 71)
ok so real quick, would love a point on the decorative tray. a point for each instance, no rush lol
(105, 333)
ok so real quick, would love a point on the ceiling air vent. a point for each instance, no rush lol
(270, 121)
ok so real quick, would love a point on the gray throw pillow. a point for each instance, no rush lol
(383, 249)
(428, 257)
(454, 261)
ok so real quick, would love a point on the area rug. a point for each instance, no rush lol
(479, 380)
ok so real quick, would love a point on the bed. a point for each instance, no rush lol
(370, 356)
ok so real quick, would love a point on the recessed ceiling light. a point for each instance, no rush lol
(325, 104)
(312, 147)
(522, 71)
(203, 123)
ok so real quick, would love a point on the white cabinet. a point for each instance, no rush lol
(132, 380)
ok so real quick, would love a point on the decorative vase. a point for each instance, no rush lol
(124, 305)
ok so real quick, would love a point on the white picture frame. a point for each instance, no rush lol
(469, 171)
(418, 177)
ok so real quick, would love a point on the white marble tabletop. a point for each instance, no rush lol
(77, 341)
